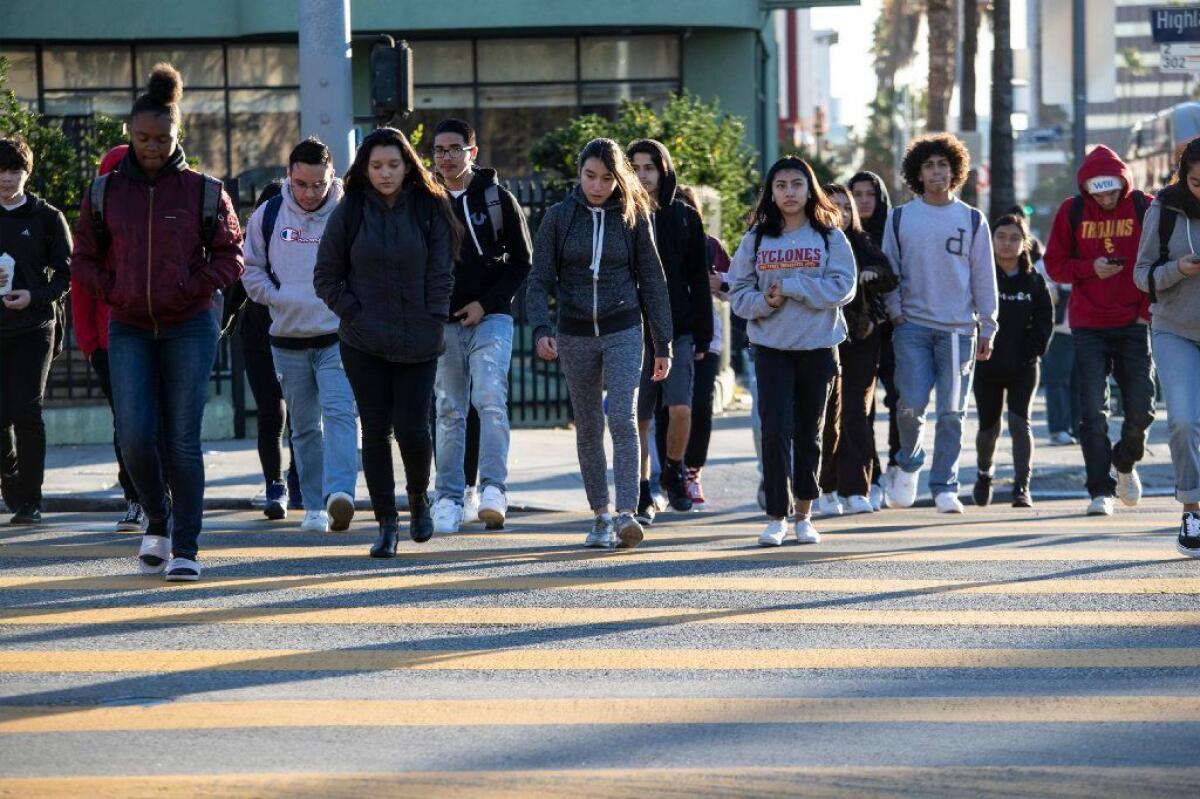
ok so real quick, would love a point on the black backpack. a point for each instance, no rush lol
(1166, 227)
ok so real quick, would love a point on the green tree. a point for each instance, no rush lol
(61, 170)
(707, 145)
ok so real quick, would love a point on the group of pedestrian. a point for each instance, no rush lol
(384, 298)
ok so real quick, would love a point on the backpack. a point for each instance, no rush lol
(1075, 215)
(270, 214)
(1166, 227)
(976, 221)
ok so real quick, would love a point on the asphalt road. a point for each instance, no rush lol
(998, 653)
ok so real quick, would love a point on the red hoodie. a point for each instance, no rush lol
(89, 316)
(1096, 303)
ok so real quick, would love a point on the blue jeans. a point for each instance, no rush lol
(320, 405)
(925, 360)
(1178, 362)
(1062, 393)
(160, 383)
(473, 370)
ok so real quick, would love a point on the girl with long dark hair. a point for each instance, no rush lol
(385, 268)
(595, 252)
(790, 277)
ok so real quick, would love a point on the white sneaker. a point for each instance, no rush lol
(182, 570)
(902, 489)
(470, 505)
(340, 509)
(493, 506)
(948, 502)
(315, 521)
(1100, 506)
(876, 497)
(447, 516)
(805, 532)
(829, 505)
(1061, 439)
(774, 534)
(859, 504)
(602, 536)
(1129, 488)
(153, 554)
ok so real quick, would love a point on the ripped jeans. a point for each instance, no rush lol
(925, 360)
(473, 370)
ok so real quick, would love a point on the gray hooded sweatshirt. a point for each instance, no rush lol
(1178, 308)
(296, 310)
(817, 280)
(604, 274)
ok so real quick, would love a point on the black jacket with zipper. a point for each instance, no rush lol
(388, 274)
(37, 237)
(1026, 323)
(489, 270)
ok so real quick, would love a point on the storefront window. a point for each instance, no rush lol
(264, 65)
(513, 117)
(201, 65)
(203, 129)
(80, 103)
(629, 57)
(524, 60)
(431, 105)
(22, 73)
(87, 67)
(264, 127)
(442, 62)
(605, 98)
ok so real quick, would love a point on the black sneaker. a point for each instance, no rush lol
(1021, 498)
(1188, 543)
(27, 514)
(277, 501)
(674, 482)
(983, 490)
(134, 521)
(645, 509)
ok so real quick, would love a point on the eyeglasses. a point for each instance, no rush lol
(453, 151)
(319, 187)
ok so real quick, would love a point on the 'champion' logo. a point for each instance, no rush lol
(295, 235)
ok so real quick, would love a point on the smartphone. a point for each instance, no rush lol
(1119, 260)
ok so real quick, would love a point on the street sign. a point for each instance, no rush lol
(1181, 58)
(1175, 23)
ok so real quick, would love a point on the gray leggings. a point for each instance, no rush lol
(591, 365)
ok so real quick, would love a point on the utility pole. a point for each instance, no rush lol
(1079, 80)
(968, 119)
(326, 96)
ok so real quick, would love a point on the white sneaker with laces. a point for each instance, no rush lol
(315, 521)
(1100, 506)
(876, 497)
(493, 506)
(470, 505)
(948, 502)
(1129, 488)
(829, 505)
(603, 535)
(774, 534)
(447, 516)
(805, 532)
(859, 504)
(902, 489)
(153, 554)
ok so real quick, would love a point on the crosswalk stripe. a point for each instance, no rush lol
(575, 616)
(830, 782)
(287, 660)
(440, 582)
(525, 712)
(648, 554)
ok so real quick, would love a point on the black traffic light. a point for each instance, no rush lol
(391, 81)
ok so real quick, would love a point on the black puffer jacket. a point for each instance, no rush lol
(36, 235)
(866, 311)
(388, 274)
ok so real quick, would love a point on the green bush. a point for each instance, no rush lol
(60, 170)
(707, 146)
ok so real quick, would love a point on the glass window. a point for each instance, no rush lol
(22, 72)
(87, 68)
(200, 65)
(264, 65)
(442, 62)
(203, 129)
(605, 98)
(264, 126)
(629, 57)
(81, 103)
(513, 117)
(503, 60)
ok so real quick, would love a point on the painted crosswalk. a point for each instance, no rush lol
(1046, 654)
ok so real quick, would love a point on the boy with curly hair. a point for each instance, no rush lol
(941, 249)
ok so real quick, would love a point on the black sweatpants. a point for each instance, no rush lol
(393, 402)
(991, 389)
(703, 387)
(856, 458)
(24, 369)
(272, 413)
(793, 391)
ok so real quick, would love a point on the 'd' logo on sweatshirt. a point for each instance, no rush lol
(790, 258)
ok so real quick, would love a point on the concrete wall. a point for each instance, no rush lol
(93, 424)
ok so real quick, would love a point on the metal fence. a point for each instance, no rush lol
(537, 391)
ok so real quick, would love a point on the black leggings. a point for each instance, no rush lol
(272, 413)
(990, 390)
(393, 403)
(703, 387)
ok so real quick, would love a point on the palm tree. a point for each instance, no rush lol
(1003, 194)
(942, 17)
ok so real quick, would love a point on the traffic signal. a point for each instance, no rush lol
(391, 81)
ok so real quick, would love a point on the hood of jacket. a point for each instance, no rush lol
(481, 178)
(668, 180)
(112, 159)
(130, 168)
(321, 214)
(1100, 162)
(612, 205)
(32, 206)
(883, 204)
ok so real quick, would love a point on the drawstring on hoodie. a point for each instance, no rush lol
(470, 227)
(597, 253)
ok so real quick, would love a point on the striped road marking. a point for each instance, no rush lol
(287, 660)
